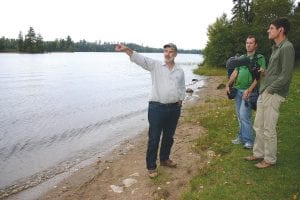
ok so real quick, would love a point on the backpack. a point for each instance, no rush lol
(253, 67)
(231, 64)
(236, 61)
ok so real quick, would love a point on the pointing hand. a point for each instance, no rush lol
(120, 47)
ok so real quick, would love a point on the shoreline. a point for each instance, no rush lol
(77, 181)
(31, 188)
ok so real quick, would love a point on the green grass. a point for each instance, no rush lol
(228, 176)
(210, 71)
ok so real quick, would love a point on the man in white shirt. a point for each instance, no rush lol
(167, 94)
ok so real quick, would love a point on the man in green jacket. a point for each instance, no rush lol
(274, 88)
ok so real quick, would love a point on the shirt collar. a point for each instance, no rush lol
(174, 68)
(276, 46)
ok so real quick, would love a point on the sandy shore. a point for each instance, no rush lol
(122, 173)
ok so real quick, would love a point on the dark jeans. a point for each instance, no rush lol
(162, 118)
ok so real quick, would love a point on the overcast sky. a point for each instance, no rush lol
(148, 22)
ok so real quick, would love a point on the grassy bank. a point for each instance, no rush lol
(228, 176)
(210, 71)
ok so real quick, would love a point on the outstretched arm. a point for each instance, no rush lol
(123, 48)
(143, 61)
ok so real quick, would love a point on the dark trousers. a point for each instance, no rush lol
(162, 118)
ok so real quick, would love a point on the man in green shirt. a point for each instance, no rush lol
(273, 90)
(245, 83)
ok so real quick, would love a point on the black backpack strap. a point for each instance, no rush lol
(254, 67)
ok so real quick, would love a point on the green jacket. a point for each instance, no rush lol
(279, 73)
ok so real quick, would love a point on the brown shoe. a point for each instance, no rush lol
(263, 164)
(152, 173)
(168, 163)
(253, 158)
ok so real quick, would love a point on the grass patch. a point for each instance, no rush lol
(210, 71)
(228, 176)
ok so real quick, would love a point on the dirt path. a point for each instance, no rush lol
(102, 179)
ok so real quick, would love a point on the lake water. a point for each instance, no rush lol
(59, 109)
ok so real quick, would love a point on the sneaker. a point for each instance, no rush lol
(168, 163)
(152, 173)
(236, 141)
(248, 145)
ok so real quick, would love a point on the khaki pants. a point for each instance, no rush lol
(265, 144)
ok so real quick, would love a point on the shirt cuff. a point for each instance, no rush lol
(133, 56)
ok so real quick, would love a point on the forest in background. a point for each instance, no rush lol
(34, 43)
(226, 37)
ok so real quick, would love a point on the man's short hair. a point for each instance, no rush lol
(252, 36)
(171, 45)
(282, 22)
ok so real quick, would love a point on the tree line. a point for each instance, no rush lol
(226, 37)
(34, 43)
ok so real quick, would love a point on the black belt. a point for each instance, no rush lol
(163, 104)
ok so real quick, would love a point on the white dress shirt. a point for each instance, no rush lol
(168, 86)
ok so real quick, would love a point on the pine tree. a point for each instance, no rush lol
(2, 45)
(69, 44)
(30, 41)
(242, 11)
(39, 44)
(20, 44)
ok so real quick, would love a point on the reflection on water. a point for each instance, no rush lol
(59, 109)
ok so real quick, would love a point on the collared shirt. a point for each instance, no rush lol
(279, 73)
(168, 86)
